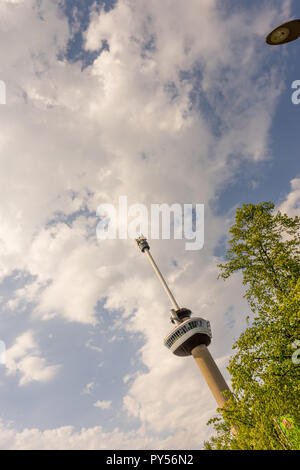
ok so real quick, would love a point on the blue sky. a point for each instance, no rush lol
(129, 98)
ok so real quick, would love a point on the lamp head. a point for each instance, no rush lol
(284, 33)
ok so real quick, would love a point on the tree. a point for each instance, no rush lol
(265, 247)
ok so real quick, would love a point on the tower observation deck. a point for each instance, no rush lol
(190, 335)
(187, 335)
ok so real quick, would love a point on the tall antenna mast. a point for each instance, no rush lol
(145, 248)
(190, 336)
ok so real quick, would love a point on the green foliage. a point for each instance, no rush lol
(265, 247)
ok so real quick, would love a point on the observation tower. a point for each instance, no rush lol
(190, 336)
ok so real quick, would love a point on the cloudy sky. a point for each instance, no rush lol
(163, 102)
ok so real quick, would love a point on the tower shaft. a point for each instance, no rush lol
(211, 373)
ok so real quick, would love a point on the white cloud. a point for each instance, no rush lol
(23, 359)
(91, 346)
(12, 304)
(90, 439)
(88, 389)
(79, 142)
(103, 404)
(291, 204)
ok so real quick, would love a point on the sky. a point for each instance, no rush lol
(162, 102)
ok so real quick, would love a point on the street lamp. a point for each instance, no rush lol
(284, 33)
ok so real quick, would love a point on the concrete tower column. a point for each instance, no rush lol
(211, 373)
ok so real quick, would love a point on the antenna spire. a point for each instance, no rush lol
(143, 244)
